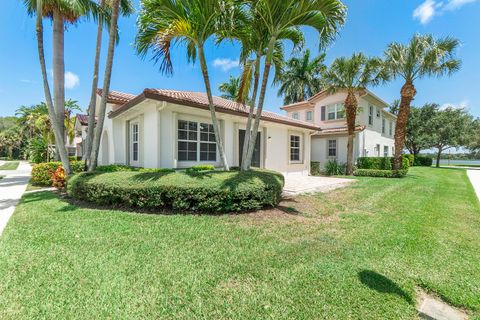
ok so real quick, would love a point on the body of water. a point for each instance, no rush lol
(462, 162)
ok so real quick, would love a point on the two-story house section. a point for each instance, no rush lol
(375, 126)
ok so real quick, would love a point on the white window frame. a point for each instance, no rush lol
(134, 140)
(370, 115)
(309, 112)
(338, 109)
(384, 124)
(295, 116)
(385, 151)
(198, 142)
(377, 148)
(390, 128)
(329, 148)
(292, 147)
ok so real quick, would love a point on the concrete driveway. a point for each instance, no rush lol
(295, 185)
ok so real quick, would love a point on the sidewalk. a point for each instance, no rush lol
(12, 186)
(474, 176)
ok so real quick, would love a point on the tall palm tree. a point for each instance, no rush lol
(61, 13)
(301, 78)
(285, 17)
(353, 75)
(192, 23)
(230, 89)
(126, 9)
(424, 56)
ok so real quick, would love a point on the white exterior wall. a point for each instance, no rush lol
(158, 138)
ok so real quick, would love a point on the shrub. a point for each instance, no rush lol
(423, 161)
(333, 168)
(380, 163)
(380, 173)
(37, 150)
(315, 168)
(411, 159)
(200, 168)
(121, 167)
(213, 191)
(58, 178)
(42, 172)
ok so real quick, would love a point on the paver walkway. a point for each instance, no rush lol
(12, 186)
(474, 176)
(295, 185)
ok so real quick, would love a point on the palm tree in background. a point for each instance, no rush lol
(62, 13)
(301, 78)
(285, 17)
(190, 22)
(126, 9)
(230, 89)
(353, 75)
(424, 56)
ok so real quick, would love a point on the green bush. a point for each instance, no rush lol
(380, 173)
(37, 150)
(333, 168)
(423, 161)
(411, 159)
(381, 163)
(42, 172)
(315, 168)
(200, 168)
(213, 191)
(121, 167)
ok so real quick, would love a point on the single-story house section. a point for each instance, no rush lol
(173, 129)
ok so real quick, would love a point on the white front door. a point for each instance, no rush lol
(134, 145)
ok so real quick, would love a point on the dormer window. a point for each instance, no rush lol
(335, 111)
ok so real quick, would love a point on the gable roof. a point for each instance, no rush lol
(117, 97)
(199, 100)
(82, 119)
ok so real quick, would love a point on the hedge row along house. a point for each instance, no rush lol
(172, 129)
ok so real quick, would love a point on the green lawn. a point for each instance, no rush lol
(10, 165)
(357, 252)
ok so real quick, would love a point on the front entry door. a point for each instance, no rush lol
(256, 151)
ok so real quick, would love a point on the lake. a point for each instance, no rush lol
(462, 162)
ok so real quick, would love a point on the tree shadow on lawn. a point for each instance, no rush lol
(39, 196)
(382, 284)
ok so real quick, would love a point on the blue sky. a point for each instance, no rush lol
(370, 26)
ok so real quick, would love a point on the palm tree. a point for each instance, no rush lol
(191, 22)
(230, 89)
(424, 56)
(353, 75)
(62, 13)
(126, 8)
(301, 78)
(285, 17)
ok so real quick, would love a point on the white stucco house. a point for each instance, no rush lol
(172, 129)
(374, 131)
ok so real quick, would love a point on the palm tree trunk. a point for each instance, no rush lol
(93, 96)
(261, 100)
(106, 86)
(59, 73)
(248, 129)
(46, 87)
(351, 104)
(407, 94)
(216, 127)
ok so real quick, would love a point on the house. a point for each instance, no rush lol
(173, 129)
(81, 125)
(374, 133)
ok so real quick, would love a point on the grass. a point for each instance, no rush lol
(357, 252)
(10, 165)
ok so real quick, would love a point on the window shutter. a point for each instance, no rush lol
(323, 113)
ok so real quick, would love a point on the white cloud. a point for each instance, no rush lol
(426, 11)
(71, 80)
(225, 64)
(464, 104)
(27, 81)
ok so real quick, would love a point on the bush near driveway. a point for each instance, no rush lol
(42, 172)
(422, 161)
(211, 192)
(381, 163)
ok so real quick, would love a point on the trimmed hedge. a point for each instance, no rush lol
(422, 161)
(121, 167)
(42, 172)
(381, 163)
(200, 168)
(315, 168)
(411, 159)
(380, 173)
(213, 192)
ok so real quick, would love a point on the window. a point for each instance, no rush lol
(383, 125)
(135, 142)
(309, 115)
(332, 148)
(377, 148)
(378, 112)
(370, 115)
(335, 111)
(393, 151)
(385, 151)
(295, 115)
(294, 148)
(196, 141)
(390, 128)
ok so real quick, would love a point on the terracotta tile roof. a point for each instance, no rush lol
(200, 100)
(83, 119)
(338, 130)
(117, 97)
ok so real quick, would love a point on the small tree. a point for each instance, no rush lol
(418, 135)
(451, 128)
